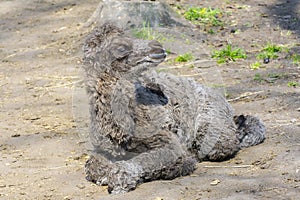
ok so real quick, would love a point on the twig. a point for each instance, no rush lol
(61, 77)
(55, 168)
(189, 75)
(94, 16)
(58, 85)
(3, 84)
(246, 94)
(293, 145)
(25, 50)
(187, 64)
(235, 166)
(280, 108)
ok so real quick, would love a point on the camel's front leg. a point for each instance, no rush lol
(162, 163)
(97, 169)
(121, 106)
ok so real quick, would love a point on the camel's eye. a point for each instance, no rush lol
(121, 48)
(124, 49)
(121, 51)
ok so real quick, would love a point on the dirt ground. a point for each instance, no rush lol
(43, 126)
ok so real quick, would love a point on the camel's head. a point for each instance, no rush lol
(109, 49)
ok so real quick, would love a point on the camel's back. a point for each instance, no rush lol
(202, 118)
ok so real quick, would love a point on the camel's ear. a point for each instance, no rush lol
(120, 47)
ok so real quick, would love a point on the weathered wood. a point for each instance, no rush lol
(134, 14)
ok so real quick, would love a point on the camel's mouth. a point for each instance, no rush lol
(151, 60)
(155, 57)
(158, 56)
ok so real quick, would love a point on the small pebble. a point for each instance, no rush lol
(80, 186)
(266, 60)
(16, 135)
(215, 182)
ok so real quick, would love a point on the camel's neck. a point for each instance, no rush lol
(106, 83)
(102, 88)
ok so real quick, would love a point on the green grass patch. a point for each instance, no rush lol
(147, 33)
(184, 57)
(229, 54)
(207, 16)
(273, 77)
(258, 77)
(296, 58)
(273, 48)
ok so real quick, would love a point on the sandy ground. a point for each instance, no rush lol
(43, 126)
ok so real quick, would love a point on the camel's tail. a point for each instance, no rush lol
(251, 131)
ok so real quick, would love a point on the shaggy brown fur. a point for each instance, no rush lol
(152, 127)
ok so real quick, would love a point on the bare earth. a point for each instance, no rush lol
(43, 126)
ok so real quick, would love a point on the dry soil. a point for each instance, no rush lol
(43, 110)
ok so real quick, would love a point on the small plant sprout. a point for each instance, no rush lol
(210, 31)
(184, 57)
(229, 54)
(293, 84)
(258, 77)
(273, 77)
(255, 65)
(296, 58)
(168, 51)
